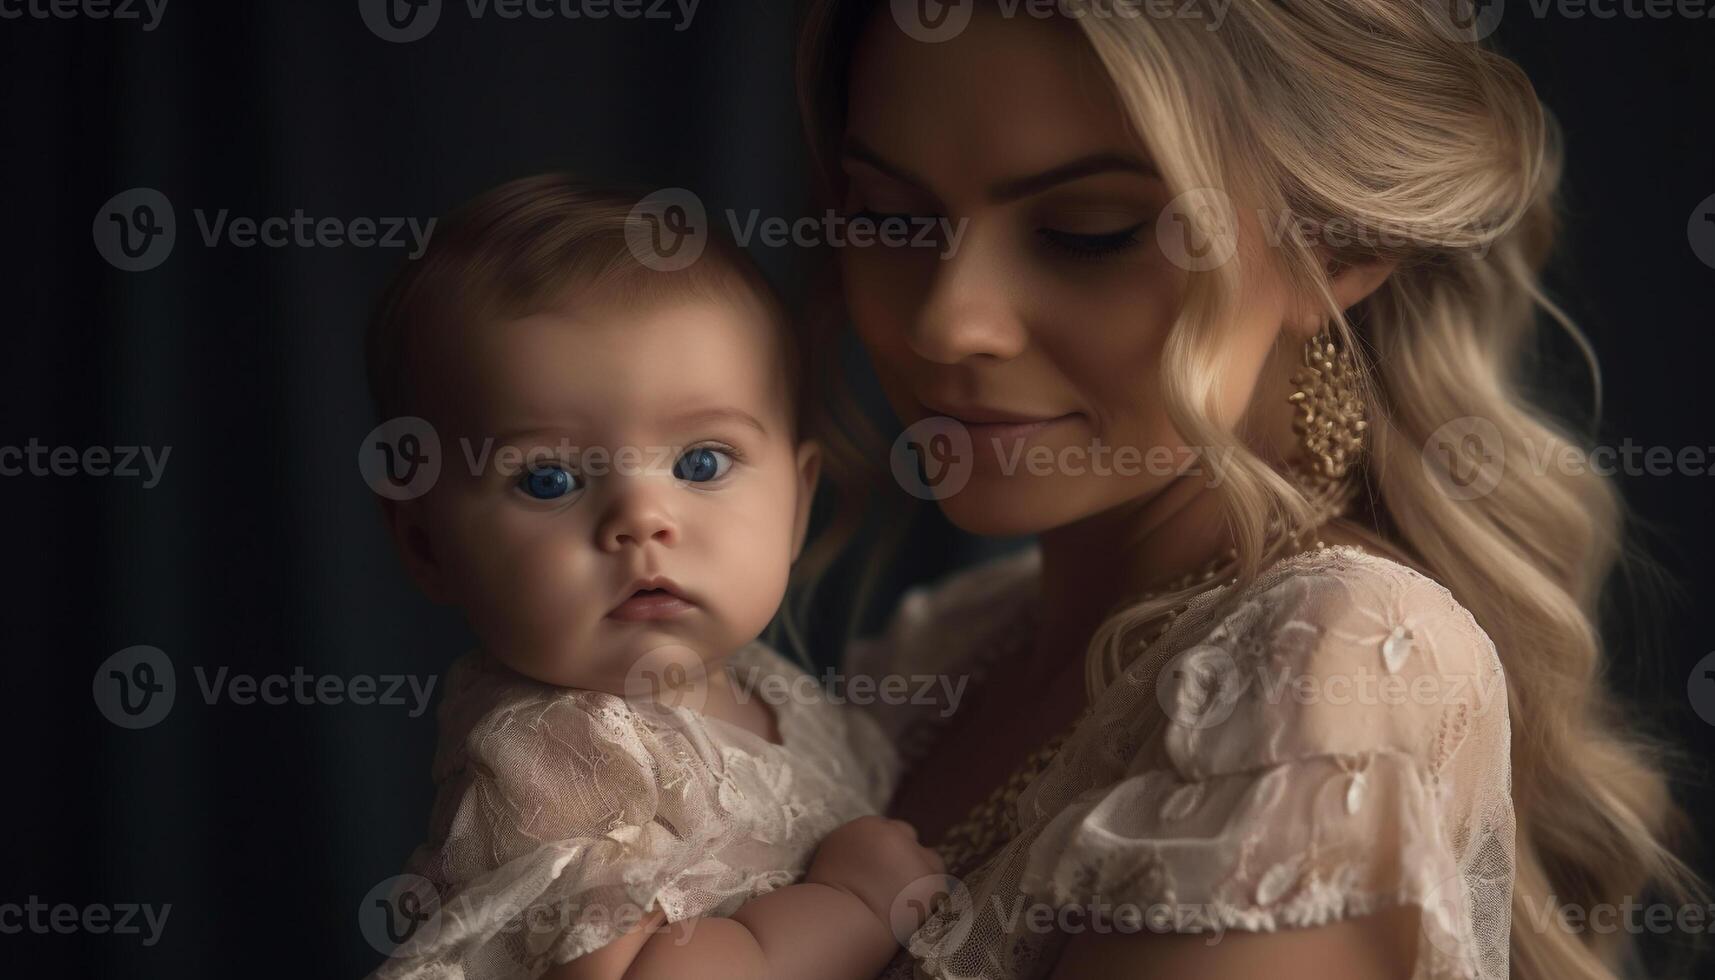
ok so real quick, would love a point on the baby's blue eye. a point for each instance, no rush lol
(549, 483)
(702, 464)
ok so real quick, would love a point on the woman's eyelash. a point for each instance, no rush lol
(1092, 246)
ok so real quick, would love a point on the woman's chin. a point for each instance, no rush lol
(1002, 508)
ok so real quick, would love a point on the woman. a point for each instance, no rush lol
(1311, 687)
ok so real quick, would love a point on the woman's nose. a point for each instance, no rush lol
(972, 308)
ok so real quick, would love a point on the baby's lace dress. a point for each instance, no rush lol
(562, 816)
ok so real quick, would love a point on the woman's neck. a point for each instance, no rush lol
(1091, 567)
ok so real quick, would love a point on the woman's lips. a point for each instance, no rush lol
(988, 431)
(653, 604)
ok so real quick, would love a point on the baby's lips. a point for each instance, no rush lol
(647, 583)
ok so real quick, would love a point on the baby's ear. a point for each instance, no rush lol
(405, 525)
(809, 471)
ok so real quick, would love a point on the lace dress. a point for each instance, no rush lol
(1330, 742)
(563, 816)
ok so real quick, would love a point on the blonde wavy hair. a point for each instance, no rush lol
(1373, 114)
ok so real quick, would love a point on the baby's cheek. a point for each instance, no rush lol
(754, 573)
(535, 592)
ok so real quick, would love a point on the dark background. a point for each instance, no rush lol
(265, 826)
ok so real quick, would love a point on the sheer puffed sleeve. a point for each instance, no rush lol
(560, 822)
(1336, 744)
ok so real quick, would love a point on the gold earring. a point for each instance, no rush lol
(1330, 422)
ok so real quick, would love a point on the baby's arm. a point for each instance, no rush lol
(834, 925)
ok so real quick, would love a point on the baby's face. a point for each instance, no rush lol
(593, 450)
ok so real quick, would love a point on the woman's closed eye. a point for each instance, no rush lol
(1092, 245)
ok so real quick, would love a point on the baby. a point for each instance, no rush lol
(623, 492)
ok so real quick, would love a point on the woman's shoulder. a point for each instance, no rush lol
(1333, 651)
(1362, 602)
(1336, 742)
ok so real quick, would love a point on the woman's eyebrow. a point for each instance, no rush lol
(1085, 166)
(857, 151)
(1015, 188)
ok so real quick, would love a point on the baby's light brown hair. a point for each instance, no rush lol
(534, 244)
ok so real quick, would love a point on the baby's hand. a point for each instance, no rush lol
(880, 862)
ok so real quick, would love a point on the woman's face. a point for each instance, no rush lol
(1053, 307)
